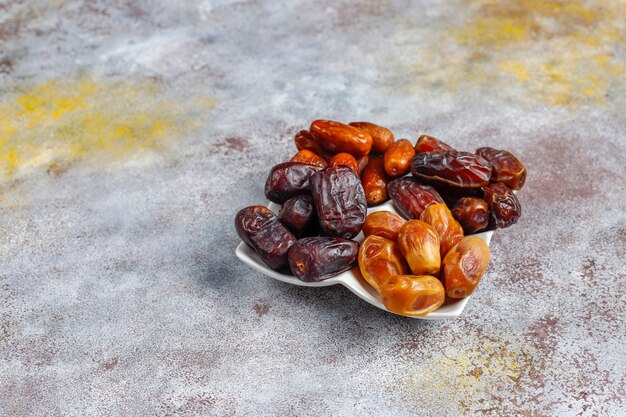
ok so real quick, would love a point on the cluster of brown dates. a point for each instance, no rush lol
(413, 260)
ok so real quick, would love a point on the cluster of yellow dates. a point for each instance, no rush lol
(414, 264)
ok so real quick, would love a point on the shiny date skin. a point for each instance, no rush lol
(287, 180)
(504, 207)
(411, 198)
(344, 159)
(306, 156)
(450, 231)
(506, 168)
(260, 229)
(427, 143)
(459, 169)
(464, 266)
(412, 295)
(419, 243)
(375, 181)
(314, 259)
(381, 136)
(379, 260)
(298, 214)
(337, 137)
(398, 158)
(339, 200)
(382, 223)
(472, 213)
(305, 140)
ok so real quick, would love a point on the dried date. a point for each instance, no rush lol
(382, 223)
(344, 159)
(260, 229)
(450, 231)
(398, 158)
(472, 213)
(427, 143)
(298, 214)
(506, 168)
(459, 169)
(287, 180)
(412, 295)
(337, 137)
(381, 136)
(339, 200)
(419, 243)
(375, 181)
(318, 258)
(464, 266)
(306, 156)
(504, 207)
(411, 198)
(379, 260)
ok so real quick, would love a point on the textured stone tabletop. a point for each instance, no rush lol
(131, 132)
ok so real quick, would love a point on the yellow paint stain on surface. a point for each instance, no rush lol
(471, 379)
(62, 122)
(558, 52)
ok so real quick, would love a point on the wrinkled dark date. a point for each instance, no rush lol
(427, 143)
(506, 168)
(339, 200)
(451, 194)
(298, 214)
(472, 213)
(260, 229)
(504, 207)
(411, 198)
(460, 169)
(318, 258)
(287, 180)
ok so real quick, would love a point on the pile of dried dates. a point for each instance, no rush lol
(413, 260)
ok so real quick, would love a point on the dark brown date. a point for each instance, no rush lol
(451, 194)
(317, 258)
(504, 207)
(339, 200)
(287, 180)
(427, 143)
(411, 198)
(506, 168)
(460, 169)
(472, 213)
(260, 229)
(298, 214)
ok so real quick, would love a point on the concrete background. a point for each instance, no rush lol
(132, 131)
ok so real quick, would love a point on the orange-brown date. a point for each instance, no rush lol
(375, 181)
(344, 159)
(427, 143)
(398, 158)
(506, 168)
(410, 198)
(385, 224)
(306, 156)
(472, 213)
(464, 266)
(379, 260)
(450, 231)
(381, 136)
(337, 137)
(419, 243)
(412, 295)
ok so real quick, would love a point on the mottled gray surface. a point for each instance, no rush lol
(132, 131)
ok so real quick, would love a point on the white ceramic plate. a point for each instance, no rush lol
(352, 278)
